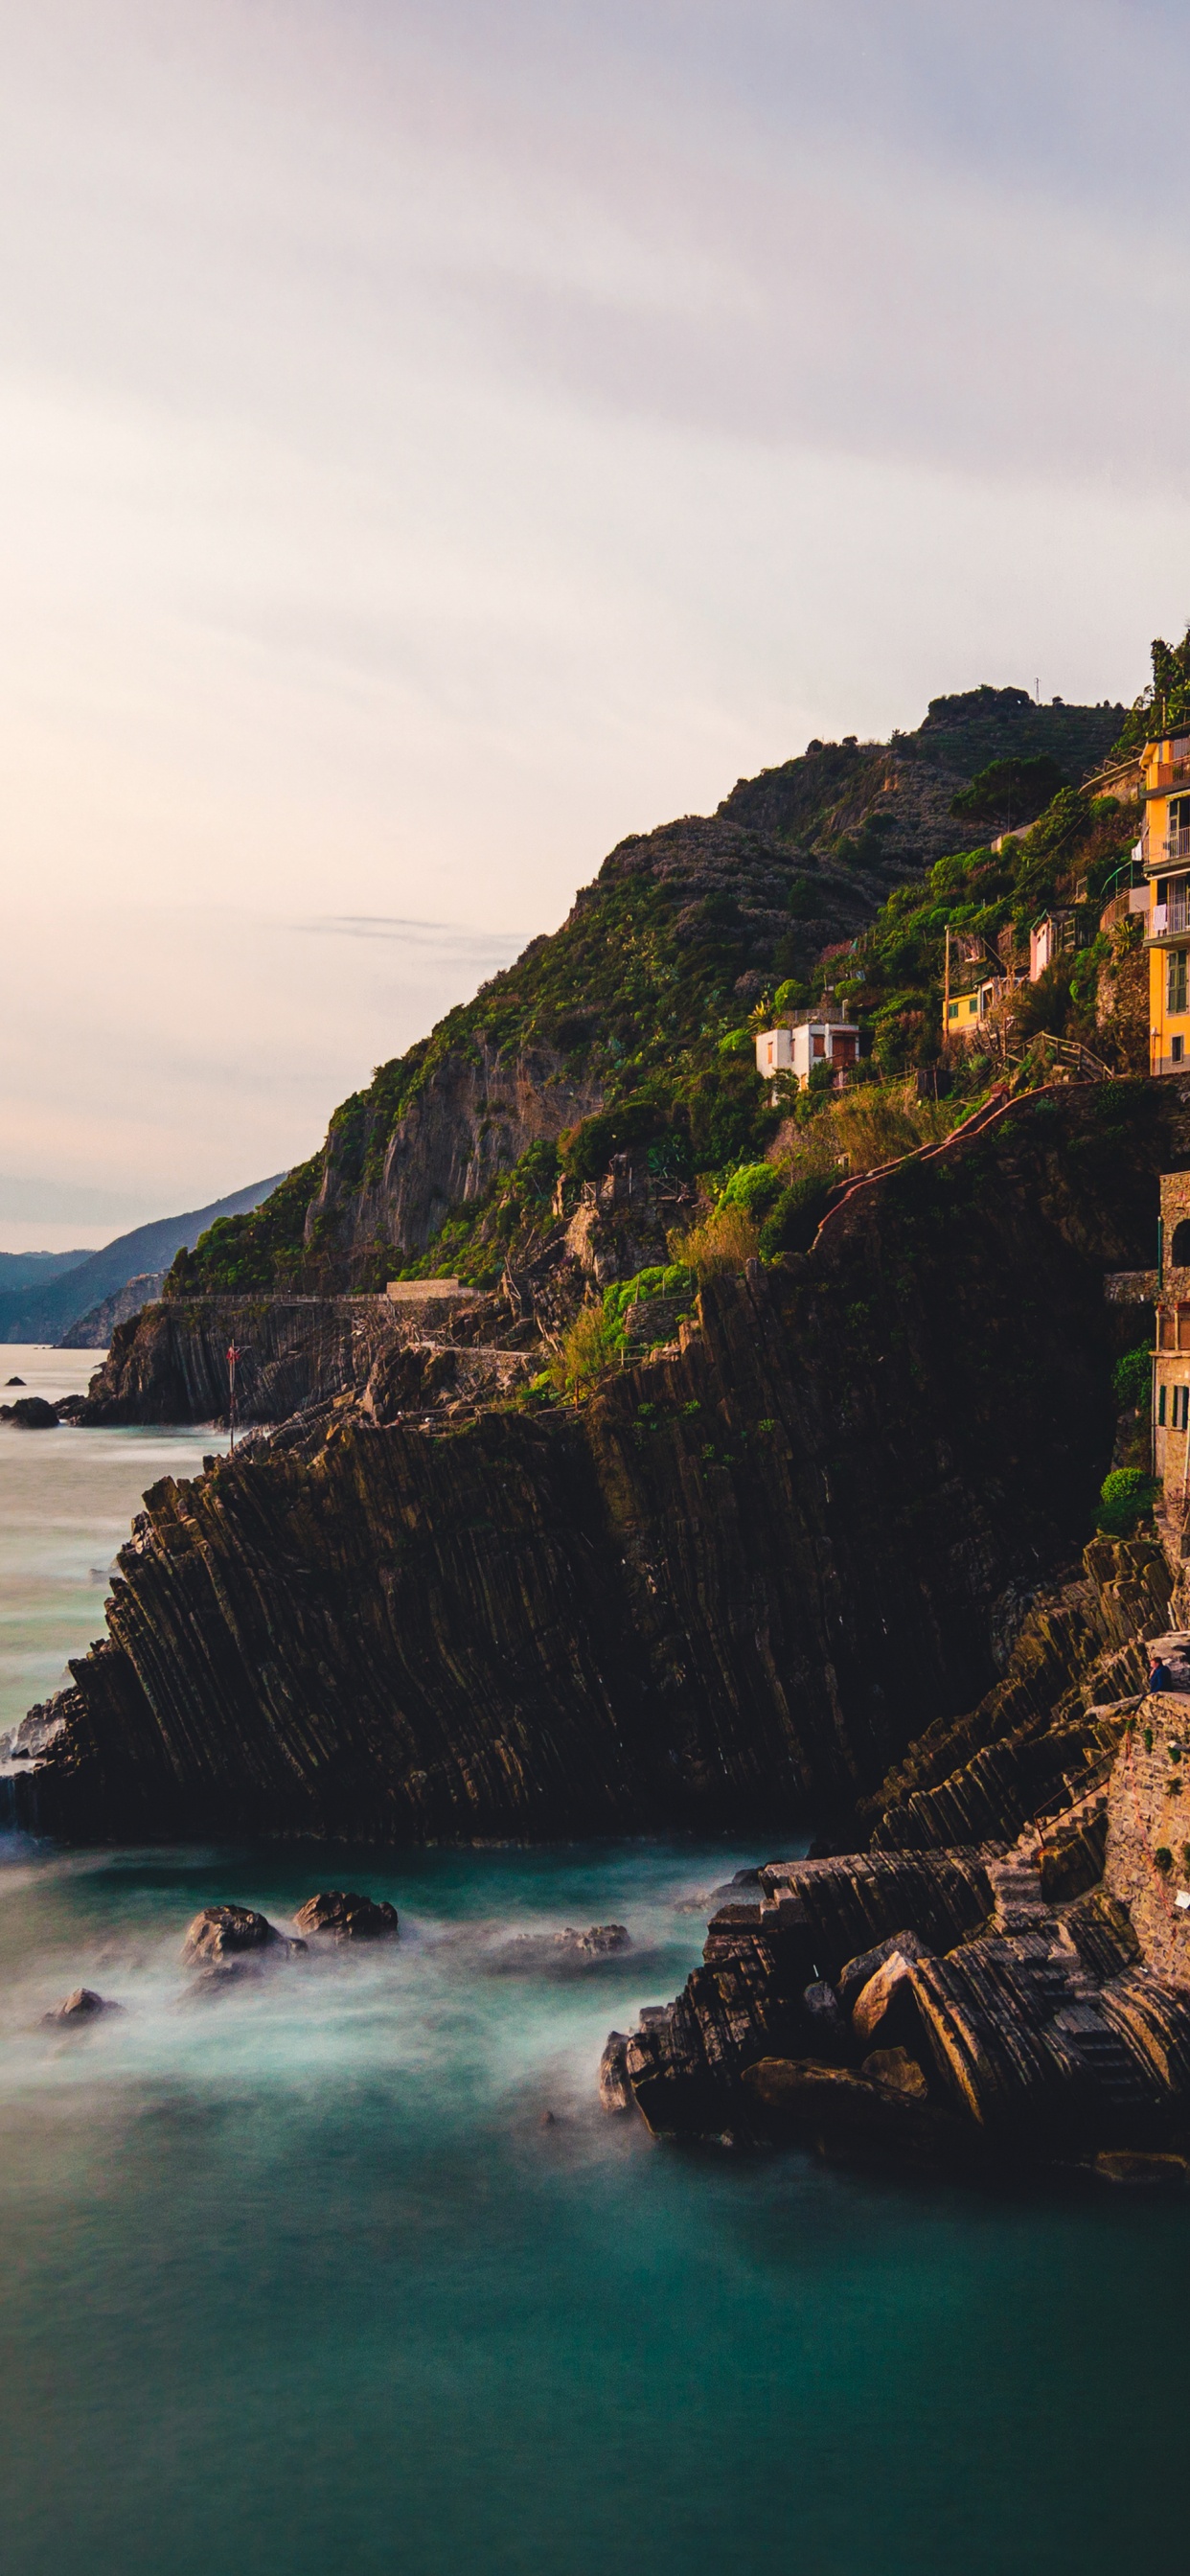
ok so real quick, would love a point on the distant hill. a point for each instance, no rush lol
(44, 1312)
(93, 1331)
(22, 1270)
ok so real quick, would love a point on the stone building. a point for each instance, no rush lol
(1171, 1372)
(1167, 1290)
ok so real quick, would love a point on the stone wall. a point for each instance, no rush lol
(1148, 1835)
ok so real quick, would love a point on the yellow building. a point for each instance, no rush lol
(1165, 853)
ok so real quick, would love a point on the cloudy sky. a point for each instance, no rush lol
(436, 440)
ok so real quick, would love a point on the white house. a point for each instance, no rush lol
(812, 1038)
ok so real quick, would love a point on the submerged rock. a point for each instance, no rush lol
(1139, 2171)
(342, 1915)
(226, 1932)
(528, 1953)
(30, 1413)
(83, 2005)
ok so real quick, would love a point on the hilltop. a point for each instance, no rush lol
(629, 1024)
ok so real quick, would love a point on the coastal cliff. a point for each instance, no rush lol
(631, 1015)
(738, 1583)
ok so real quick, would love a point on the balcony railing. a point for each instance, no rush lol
(1170, 920)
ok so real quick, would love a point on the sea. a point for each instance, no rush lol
(345, 2273)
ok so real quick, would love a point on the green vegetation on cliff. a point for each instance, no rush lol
(630, 1025)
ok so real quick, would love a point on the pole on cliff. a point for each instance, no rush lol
(232, 1356)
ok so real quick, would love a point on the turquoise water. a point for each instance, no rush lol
(300, 2279)
(66, 1499)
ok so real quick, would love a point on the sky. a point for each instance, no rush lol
(436, 441)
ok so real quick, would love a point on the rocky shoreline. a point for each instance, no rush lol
(1019, 1999)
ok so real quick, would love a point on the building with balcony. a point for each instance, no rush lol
(975, 977)
(1165, 856)
(1171, 1360)
(1058, 934)
(825, 1036)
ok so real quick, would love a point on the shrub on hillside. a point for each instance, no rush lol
(724, 1241)
(662, 1280)
(588, 1351)
(756, 1187)
(1132, 1377)
(797, 1215)
(1125, 1498)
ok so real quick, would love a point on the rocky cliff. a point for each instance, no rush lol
(738, 1583)
(1004, 1973)
(445, 1158)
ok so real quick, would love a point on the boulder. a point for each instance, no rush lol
(857, 1972)
(225, 1932)
(14, 1381)
(894, 2066)
(30, 1413)
(885, 2012)
(827, 2026)
(800, 2099)
(342, 1915)
(615, 2091)
(83, 2005)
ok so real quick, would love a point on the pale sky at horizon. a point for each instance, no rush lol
(435, 442)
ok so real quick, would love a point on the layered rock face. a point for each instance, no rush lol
(1010, 1996)
(736, 1584)
(169, 1363)
(296, 1355)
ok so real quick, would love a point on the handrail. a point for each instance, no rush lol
(977, 1123)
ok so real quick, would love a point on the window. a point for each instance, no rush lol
(1176, 989)
(1179, 1245)
(818, 1044)
(1165, 1330)
(1161, 1408)
(952, 1010)
(1176, 1046)
(1181, 1408)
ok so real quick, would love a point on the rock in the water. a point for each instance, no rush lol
(799, 2098)
(223, 1932)
(615, 2091)
(827, 2026)
(30, 1413)
(884, 2011)
(14, 1381)
(1146, 2172)
(856, 1973)
(895, 2066)
(345, 1916)
(83, 2005)
(530, 1952)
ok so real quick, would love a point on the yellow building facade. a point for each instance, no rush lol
(1165, 854)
